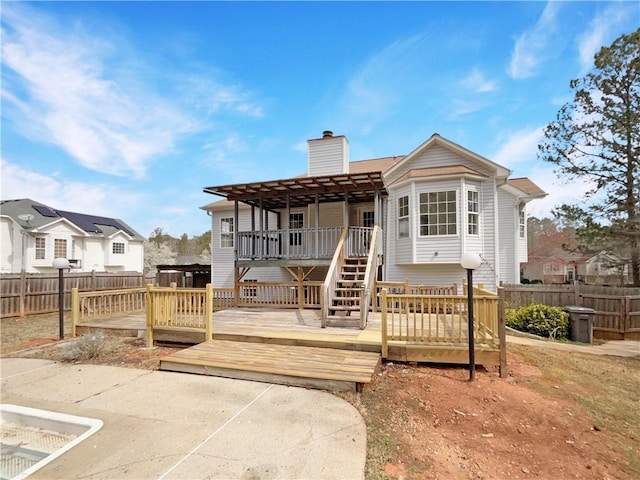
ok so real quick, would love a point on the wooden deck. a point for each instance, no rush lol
(311, 367)
(289, 346)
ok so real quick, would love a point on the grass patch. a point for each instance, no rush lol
(608, 388)
(381, 445)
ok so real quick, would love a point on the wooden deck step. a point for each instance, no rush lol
(311, 367)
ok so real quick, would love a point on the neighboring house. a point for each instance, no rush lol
(433, 204)
(33, 234)
(559, 266)
(605, 268)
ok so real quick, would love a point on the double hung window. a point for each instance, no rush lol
(438, 213)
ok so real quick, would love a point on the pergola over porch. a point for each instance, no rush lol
(263, 246)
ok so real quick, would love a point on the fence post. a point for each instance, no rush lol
(149, 316)
(75, 310)
(208, 318)
(626, 316)
(577, 300)
(502, 334)
(406, 286)
(23, 292)
(383, 309)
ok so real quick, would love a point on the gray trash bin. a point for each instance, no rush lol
(581, 323)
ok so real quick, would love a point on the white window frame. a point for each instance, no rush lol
(296, 222)
(367, 218)
(429, 209)
(522, 223)
(118, 248)
(404, 210)
(227, 231)
(40, 250)
(57, 248)
(473, 212)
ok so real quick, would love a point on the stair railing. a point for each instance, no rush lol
(368, 284)
(333, 275)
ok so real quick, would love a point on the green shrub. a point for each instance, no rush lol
(539, 319)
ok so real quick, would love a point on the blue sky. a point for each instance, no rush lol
(129, 109)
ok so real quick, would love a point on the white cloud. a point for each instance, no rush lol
(600, 30)
(532, 47)
(544, 176)
(90, 198)
(95, 97)
(376, 86)
(477, 82)
(460, 108)
(215, 97)
(519, 147)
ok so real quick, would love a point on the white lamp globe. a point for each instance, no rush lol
(60, 263)
(470, 260)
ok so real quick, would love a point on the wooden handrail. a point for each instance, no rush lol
(426, 319)
(369, 277)
(332, 276)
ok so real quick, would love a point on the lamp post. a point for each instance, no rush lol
(61, 264)
(470, 261)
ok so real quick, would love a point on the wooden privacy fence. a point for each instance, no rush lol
(35, 293)
(179, 310)
(617, 309)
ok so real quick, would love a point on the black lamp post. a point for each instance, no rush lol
(470, 261)
(61, 264)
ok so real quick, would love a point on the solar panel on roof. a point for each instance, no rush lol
(89, 223)
(44, 211)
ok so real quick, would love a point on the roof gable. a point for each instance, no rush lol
(35, 216)
(437, 140)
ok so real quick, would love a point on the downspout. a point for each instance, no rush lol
(261, 244)
(316, 224)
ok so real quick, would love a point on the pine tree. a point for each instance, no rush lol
(596, 138)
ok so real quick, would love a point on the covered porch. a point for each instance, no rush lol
(327, 240)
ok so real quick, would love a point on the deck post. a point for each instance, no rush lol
(75, 311)
(300, 289)
(149, 311)
(236, 286)
(502, 334)
(208, 316)
(383, 309)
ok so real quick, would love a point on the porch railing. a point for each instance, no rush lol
(86, 306)
(282, 295)
(288, 244)
(185, 309)
(437, 319)
(368, 284)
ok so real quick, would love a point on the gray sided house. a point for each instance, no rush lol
(427, 207)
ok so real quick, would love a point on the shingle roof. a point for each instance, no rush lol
(527, 186)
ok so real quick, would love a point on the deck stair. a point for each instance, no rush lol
(344, 310)
(311, 367)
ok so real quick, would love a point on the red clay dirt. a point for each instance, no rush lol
(449, 428)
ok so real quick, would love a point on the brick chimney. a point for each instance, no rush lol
(328, 155)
